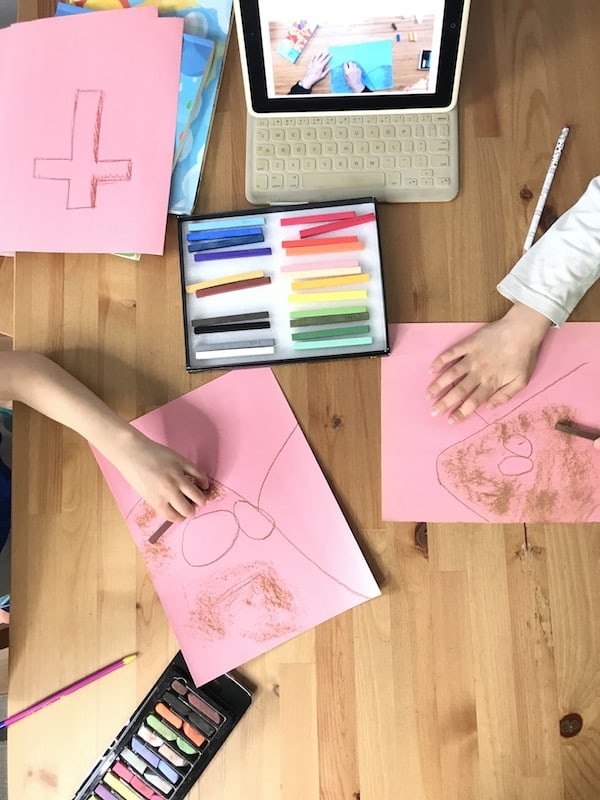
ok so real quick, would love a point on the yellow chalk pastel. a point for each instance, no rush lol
(241, 276)
(327, 297)
(319, 283)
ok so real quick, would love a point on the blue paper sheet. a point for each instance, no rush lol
(374, 60)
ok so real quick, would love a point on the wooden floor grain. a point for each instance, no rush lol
(452, 684)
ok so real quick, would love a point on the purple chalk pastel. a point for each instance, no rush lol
(257, 251)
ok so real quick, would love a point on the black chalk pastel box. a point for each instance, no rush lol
(171, 738)
(282, 284)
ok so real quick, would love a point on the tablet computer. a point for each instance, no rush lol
(409, 53)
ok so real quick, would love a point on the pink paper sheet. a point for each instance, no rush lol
(87, 128)
(271, 555)
(506, 465)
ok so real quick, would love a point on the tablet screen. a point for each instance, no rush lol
(383, 54)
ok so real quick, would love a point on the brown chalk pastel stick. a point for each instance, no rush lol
(577, 430)
(159, 532)
(233, 287)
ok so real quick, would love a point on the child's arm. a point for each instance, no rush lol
(545, 285)
(166, 480)
(554, 275)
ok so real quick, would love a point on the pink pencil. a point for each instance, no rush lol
(72, 687)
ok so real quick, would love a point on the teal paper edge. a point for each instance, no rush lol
(187, 174)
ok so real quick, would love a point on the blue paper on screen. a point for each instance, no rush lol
(374, 60)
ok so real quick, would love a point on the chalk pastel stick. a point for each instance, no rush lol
(236, 352)
(225, 319)
(239, 343)
(328, 297)
(319, 283)
(331, 333)
(339, 225)
(215, 244)
(102, 793)
(304, 322)
(324, 248)
(287, 243)
(224, 255)
(315, 312)
(110, 779)
(257, 325)
(240, 276)
(224, 222)
(322, 273)
(233, 287)
(343, 263)
(312, 219)
(222, 233)
(350, 342)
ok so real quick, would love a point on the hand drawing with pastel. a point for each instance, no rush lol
(83, 169)
(505, 464)
(251, 597)
(270, 555)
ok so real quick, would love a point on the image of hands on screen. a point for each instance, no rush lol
(395, 52)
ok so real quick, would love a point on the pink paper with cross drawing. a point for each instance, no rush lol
(503, 465)
(271, 554)
(88, 125)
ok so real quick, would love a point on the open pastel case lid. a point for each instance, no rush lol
(281, 284)
(226, 698)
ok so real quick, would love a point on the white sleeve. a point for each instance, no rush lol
(557, 271)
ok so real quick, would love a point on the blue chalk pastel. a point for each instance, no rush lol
(215, 244)
(222, 233)
(226, 222)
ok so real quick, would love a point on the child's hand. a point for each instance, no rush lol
(171, 484)
(492, 365)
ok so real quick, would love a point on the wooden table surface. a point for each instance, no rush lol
(453, 683)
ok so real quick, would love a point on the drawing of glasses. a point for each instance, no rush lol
(213, 530)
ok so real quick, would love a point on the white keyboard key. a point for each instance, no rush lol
(332, 180)
(261, 183)
(438, 146)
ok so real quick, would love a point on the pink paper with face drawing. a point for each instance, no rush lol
(505, 465)
(271, 554)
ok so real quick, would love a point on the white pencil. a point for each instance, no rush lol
(546, 188)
